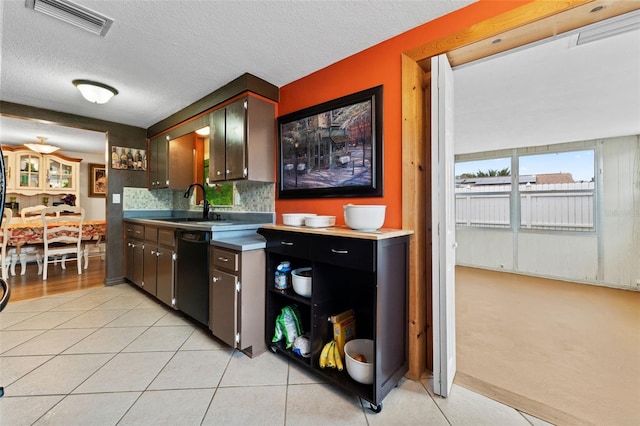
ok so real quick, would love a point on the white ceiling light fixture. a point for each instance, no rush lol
(42, 147)
(95, 92)
(73, 14)
(204, 131)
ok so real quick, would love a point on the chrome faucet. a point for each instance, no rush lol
(187, 194)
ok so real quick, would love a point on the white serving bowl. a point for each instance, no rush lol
(319, 221)
(295, 219)
(301, 284)
(364, 217)
(361, 372)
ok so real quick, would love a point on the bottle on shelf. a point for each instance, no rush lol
(282, 281)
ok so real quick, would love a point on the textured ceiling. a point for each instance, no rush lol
(164, 55)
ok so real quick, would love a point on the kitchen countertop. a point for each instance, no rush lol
(241, 243)
(344, 231)
(200, 225)
(230, 224)
(193, 220)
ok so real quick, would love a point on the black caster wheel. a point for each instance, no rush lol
(375, 408)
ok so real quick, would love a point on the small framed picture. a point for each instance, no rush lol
(97, 180)
(128, 158)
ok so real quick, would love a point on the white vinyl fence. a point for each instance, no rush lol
(564, 207)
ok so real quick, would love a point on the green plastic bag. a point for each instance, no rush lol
(288, 325)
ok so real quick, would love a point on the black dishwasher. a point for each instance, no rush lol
(192, 275)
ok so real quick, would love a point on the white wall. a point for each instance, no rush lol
(562, 255)
(94, 208)
(621, 211)
(549, 93)
(610, 256)
(485, 248)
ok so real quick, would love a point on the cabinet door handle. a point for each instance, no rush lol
(286, 243)
(153, 252)
(158, 254)
(339, 251)
(215, 279)
(219, 173)
(223, 259)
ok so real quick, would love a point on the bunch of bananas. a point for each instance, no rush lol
(330, 356)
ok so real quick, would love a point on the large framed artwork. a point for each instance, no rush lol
(332, 149)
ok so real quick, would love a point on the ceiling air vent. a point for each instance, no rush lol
(73, 14)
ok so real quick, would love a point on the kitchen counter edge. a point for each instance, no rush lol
(343, 231)
(194, 226)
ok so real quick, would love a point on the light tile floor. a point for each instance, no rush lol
(114, 356)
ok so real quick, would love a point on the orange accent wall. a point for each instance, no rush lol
(380, 64)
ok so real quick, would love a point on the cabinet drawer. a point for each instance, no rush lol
(288, 243)
(134, 230)
(225, 259)
(351, 252)
(166, 237)
(151, 234)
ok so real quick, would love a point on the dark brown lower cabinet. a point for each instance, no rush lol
(366, 272)
(236, 298)
(159, 263)
(134, 243)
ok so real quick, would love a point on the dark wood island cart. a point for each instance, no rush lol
(364, 271)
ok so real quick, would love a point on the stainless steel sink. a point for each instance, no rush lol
(180, 219)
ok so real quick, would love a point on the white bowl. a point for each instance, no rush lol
(301, 283)
(319, 221)
(295, 219)
(364, 217)
(361, 372)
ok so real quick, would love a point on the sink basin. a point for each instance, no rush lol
(196, 221)
(181, 219)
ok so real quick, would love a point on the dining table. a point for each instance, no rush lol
(31, 234)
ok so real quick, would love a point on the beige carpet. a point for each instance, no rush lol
(564, 352)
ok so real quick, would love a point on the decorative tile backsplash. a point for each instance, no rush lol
(248, 196)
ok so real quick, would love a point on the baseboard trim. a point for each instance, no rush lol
(114, 281)
(519, 402)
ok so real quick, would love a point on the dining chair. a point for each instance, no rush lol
(28, 252)
(62, 234)
(7, 215)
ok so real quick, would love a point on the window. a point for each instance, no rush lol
(483, 189)
(559, 192)
(556, 189)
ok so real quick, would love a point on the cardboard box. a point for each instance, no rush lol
(344, 329)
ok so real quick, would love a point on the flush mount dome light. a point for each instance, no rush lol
(95, 92)
(204, 131)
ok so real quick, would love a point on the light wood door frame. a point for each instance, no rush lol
(523, 25)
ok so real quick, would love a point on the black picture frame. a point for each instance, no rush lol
(333, 149)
